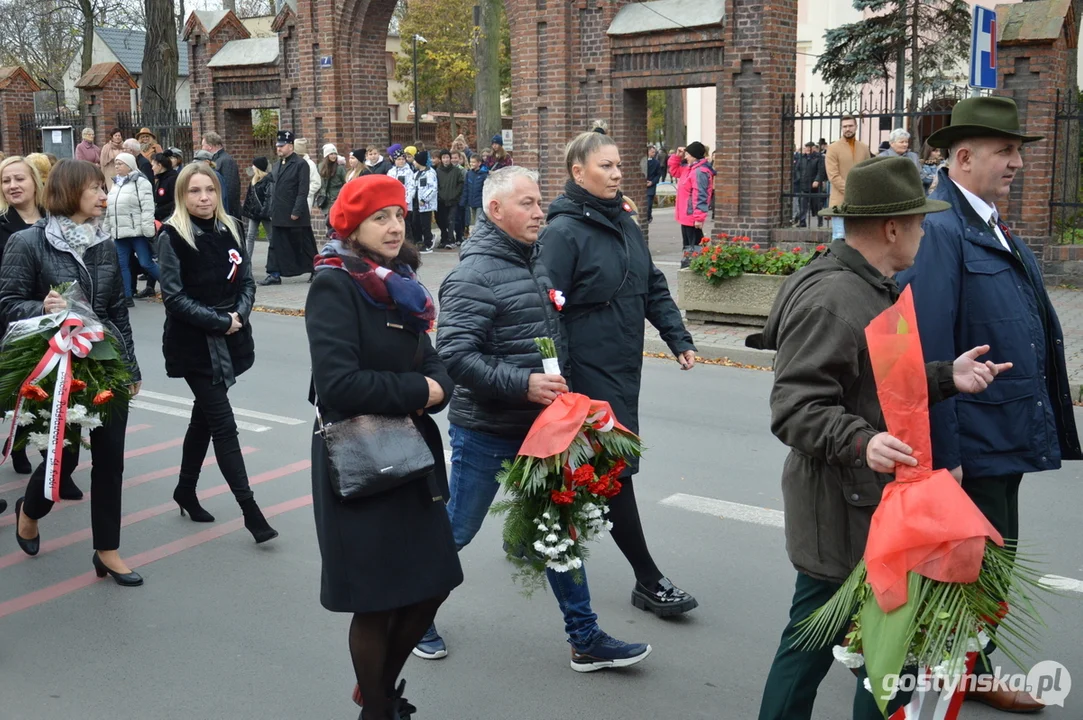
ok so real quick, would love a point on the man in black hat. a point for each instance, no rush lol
(824, 406)
(293, 246)
(975, 282)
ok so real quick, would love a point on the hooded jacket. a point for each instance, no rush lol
(129, 210)
(695, 189)
(825, 408)
(423, 191)
(37, 259)
(450, 182)
(492, 306)
(611, 287)
(473, 184)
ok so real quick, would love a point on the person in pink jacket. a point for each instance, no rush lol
(695, 189)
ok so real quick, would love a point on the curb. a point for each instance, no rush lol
(744, 356)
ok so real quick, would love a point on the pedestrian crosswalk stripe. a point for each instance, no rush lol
(727, 510)
(254, 414)
(775, 518)
(177, 412)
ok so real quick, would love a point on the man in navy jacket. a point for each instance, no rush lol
(975, 283)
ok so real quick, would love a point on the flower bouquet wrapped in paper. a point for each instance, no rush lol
(57, 370)
(559, 484)
(936, 579)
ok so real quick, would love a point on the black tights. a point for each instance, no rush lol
(380, 643)
(627, 532)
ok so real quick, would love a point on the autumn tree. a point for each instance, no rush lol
(445, 61)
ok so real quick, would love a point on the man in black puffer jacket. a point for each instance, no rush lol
(492, 306)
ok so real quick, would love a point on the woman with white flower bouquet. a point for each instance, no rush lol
(72, 359)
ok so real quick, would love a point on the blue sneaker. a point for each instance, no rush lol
(432, 646)
(608, 652)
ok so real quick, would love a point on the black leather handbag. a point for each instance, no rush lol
(371, 454)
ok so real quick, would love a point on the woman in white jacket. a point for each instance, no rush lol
(129, 219)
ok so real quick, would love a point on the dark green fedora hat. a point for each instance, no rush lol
(884, 187)
(981, 117)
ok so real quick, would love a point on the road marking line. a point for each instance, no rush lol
(254, 414)
(727, 510)
(177, 412)
(87, 579)
(1059, 582)
(128, 455)
(667, 263)
(775, 518)
(131, 483)
(14, 558)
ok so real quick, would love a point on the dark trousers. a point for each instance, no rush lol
(998, 499)
(212, 419)
(422, 225)
(690, 236)
(796, 674)
(461, 223)
(106, 478)
(650, 206)
(809, 205)
(445, 220)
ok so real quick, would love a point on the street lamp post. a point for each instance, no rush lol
(417, 105)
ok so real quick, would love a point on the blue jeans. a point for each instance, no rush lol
(838, 231)
(141, 246)
(475, 462)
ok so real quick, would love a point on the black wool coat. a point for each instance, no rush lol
(290, 192)
(611, 286)
(395, 548)
(198, 298)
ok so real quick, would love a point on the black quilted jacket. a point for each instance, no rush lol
(33, 265)
(492, 306)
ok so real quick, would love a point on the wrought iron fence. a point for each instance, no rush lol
(1066, 192)
(31, 124)
(173, 129)
(403, 133)
(818, 118)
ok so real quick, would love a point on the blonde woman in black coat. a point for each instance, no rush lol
(208, 291)
(388, 559)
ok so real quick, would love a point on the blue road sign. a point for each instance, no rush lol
(983, 49)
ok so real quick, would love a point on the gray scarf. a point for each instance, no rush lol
(77, 237)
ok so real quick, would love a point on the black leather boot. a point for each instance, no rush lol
(185, 497)
(255, 523)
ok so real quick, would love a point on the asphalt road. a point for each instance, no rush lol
(224, 629)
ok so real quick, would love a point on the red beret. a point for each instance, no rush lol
(360, 198)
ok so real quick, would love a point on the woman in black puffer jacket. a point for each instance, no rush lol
(597, 256)
(208, 291)
(70, 247)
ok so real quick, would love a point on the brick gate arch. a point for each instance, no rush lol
(572, 61)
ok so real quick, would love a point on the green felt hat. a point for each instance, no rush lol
(884, 187)
(981, 117)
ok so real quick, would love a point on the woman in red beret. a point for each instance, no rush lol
(389, 559)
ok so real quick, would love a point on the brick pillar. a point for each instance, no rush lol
(760, 41)
(203, 44)
(1037, 57)
(17, 90)
(108, 90)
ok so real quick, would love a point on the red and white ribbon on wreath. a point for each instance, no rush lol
(948, 702)
(74, 337)
(235, 261)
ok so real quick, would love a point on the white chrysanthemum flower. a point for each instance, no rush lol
(868, 686)
(550, 538)
(40, 441)
(45, 414)
(950, 670)
(849, 659)
(76, 413)
(576, 563)
(27, 419)
(545, 515)
(539, 546)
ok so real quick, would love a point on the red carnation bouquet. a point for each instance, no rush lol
(560, 483)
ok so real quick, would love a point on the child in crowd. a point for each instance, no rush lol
(421, 199)
(471, 199)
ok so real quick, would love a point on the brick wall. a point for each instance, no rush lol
(16, 98)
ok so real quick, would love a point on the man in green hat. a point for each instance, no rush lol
(975, 282)
(824, 406)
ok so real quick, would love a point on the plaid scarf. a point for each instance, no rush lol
(382, 287)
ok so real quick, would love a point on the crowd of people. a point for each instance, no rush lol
(581, 274)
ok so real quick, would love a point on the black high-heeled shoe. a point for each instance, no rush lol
(255, 523)
(186, 499)
(32, 546)
(401, 709)
(132, 579)
(3, 505)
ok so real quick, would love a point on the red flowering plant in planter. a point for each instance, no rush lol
(728, 256)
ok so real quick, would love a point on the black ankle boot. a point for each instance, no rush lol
(185, 497)
(255, 523)
(20, 463)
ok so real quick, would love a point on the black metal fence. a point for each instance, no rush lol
(818, 119)
(173, 129)
(31, 125)
(1066, 192)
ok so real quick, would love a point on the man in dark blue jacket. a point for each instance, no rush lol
(654, 176)
(975, 283)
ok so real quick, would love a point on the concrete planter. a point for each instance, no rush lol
(743, 300)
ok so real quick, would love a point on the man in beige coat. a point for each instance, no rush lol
(842, 155)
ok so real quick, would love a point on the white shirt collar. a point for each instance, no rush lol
(985, 210)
